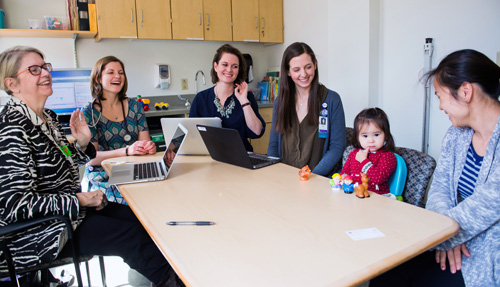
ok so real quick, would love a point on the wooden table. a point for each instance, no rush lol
(274, 230)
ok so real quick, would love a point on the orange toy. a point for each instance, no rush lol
(362, 189)
(304, 172)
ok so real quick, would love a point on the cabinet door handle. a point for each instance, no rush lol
(142, 17)
(263, 23)
(200, 18)
(256, 22)
(131, 15)
(208, 19)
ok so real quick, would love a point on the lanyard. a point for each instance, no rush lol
(323, 122)
(123, 123)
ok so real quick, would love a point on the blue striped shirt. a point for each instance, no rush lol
(467, 181)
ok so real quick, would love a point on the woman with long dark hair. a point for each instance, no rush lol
(466, 183)
(308, 119)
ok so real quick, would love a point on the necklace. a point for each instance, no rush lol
(224, 111)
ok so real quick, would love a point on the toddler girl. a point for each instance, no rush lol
(373, 154)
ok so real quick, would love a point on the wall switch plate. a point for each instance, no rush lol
(184, 84)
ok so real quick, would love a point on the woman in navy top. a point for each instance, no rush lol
(230, 99)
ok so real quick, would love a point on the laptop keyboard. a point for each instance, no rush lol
(146, 170)
(257, 161)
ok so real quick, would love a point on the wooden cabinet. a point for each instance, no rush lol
(153, 19)
(121, 19)
(257, 20)
(116, 19)
(201, 20)
(260, 145)
(187, 20)
(213, 20)
(245, 20)
(217, 20)
(271, 21)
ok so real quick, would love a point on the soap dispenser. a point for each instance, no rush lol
(162, 76)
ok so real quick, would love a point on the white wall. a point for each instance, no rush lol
(454, 25)
(389, 77)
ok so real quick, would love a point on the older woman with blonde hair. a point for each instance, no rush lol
(39, 176)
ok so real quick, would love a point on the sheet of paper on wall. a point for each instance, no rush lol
(367, 233)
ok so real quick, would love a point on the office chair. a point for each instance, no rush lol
(398, 178)
(44, 267)
(420, 169)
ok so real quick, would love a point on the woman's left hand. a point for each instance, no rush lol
(241, 92)
(149, 147)
(454, 257)
(79, 128)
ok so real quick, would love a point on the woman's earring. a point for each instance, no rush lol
(385, 142)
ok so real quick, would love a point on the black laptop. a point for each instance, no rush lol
(225, 145)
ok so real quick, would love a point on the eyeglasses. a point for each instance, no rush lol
(36, 70)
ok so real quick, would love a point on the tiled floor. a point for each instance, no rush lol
(118, 274)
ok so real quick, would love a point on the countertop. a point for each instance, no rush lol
(178, 107)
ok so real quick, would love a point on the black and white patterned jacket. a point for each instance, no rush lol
(37, 179)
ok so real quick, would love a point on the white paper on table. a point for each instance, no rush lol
(367, 233)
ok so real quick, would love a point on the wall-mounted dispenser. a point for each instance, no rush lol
(162, 76)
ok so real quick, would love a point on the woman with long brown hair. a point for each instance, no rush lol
(308, 119)
(117, 123)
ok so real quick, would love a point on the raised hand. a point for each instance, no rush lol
(79, 128)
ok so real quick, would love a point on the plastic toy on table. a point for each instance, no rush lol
(362, 189)
(347, 184)
(304, 173)
(336, 182)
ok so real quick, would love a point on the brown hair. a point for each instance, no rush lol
(286, 112)
(10, 60)
(378, 117)
(242, 68)
(96, 76)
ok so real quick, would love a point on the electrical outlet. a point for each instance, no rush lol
(184, 84)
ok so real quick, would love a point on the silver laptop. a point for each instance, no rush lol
(194, 144)
(154, 170)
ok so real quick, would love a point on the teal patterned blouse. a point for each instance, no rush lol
(110, 135)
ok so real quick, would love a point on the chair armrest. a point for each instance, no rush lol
(14, 227)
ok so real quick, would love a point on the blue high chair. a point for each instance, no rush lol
(398, 178)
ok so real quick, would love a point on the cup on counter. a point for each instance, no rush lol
(36, 24)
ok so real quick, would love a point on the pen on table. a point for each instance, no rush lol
(190, 223)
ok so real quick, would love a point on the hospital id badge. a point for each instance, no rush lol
(323, 127)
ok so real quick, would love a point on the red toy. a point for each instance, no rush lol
(304, 172)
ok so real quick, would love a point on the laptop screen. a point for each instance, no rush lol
(173, 147)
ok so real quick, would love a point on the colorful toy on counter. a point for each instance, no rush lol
(304, 173)
(347, 184)
(145, 104)
(362, 189)
(336, 182)
(161, 106)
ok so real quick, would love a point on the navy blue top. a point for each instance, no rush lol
(203, 106)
